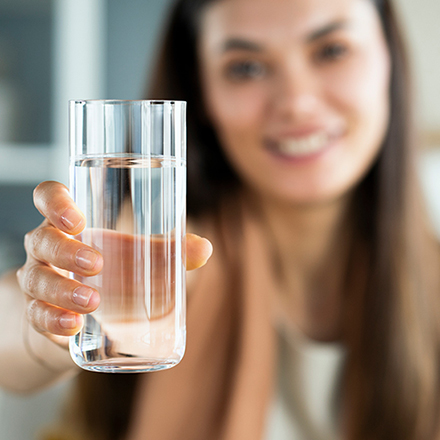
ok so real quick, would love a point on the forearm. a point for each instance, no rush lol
(28, 360)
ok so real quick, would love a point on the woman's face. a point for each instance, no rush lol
(298, 92)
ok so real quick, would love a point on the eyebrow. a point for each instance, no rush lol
(332, 27)
(240, 44)
(237, 43)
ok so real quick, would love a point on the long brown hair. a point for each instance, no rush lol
(392, 373)
(391, 385)
(392, 381)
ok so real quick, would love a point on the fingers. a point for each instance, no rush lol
(46, 318)
(198, 251)
(49, 245)
(45, 284)
(54, 301)
(53, 201)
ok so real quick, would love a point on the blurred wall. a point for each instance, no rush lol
(134, 30)
(421, 23)
(422, 32)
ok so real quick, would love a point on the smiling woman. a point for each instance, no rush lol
(317, 316)
(299, 100)
(302, 161)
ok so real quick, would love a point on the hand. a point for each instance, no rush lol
(56, 303)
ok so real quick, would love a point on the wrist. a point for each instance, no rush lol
(46, 353)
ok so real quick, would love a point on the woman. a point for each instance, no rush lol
(301, 174)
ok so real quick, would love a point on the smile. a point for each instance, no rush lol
(301, 147)
(304, 146)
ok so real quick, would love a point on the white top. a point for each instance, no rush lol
(305, 405)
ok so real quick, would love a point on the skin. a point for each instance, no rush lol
(292, 81)
(279, 71)
(56, 303)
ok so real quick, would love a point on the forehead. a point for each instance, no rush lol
(280, 19)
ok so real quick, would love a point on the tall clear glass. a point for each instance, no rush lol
(128, 176)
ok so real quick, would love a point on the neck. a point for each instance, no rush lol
(310, 247)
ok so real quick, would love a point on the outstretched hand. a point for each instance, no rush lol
(55, 302)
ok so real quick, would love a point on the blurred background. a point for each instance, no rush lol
(55, 50)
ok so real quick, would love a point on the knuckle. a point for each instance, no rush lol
(44, 188)
(45, 194)
(45, 244)
(58, 292)
(31, 280)
(32, 312)
(28, 240)
(56, 248)
(21, 277)
(33, 239)
(40, 195)
(41, 187)
(38, 190)
(40, 317)
(19, 274)
(41, 283)
(47, 321)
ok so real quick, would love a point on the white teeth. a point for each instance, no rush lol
(305, 145)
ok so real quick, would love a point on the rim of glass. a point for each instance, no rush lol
(125, 101)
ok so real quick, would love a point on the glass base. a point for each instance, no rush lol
(126, 365)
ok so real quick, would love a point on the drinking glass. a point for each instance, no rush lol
(128, 176)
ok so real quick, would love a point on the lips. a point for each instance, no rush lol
(302, 146)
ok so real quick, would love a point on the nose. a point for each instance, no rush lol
(296, 94)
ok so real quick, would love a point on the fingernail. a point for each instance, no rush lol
(86, 259)
(68, 321)
(81, 296)
(71, 219)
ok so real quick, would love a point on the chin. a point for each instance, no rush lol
(313, 196)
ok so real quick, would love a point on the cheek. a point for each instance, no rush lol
(362, 97)
(235, 112)
(363, 94)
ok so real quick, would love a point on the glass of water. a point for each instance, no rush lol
(128, 176)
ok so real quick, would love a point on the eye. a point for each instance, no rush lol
(243, 70)
(332, 52)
